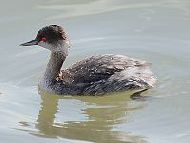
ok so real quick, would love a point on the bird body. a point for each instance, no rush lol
(96, 75)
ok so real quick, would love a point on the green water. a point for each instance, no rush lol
(156, 31)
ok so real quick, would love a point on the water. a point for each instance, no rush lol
(157, 31)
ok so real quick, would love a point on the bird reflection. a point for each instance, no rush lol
(102, 113)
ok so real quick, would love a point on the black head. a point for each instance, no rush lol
(50, 37)
(49, 34)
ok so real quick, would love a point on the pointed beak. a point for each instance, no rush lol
(30, 43)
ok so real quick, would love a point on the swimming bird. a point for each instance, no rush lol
(96, 75)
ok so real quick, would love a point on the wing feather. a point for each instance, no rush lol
(98, 68)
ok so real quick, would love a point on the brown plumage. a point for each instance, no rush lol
(95, 75)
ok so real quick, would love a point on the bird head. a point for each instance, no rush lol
(51, 37)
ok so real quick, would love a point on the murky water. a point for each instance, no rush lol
(157, 31)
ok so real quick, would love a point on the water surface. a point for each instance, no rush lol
(156, 31)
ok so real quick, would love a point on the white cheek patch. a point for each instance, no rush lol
(45, 45)
(61, 46)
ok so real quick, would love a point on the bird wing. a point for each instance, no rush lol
(98, 68)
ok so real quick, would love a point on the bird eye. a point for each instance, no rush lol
(43, 39)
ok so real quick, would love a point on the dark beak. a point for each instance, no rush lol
(30, 43)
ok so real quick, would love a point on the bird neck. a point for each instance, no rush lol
(53, 67)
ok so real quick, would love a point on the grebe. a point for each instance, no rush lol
(96, 75)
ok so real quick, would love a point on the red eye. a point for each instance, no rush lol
(44, 39)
